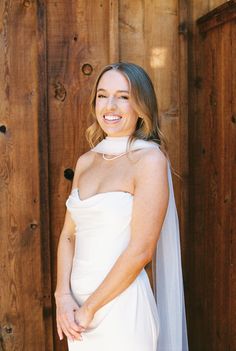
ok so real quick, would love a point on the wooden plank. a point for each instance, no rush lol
(218, 216)
(162, 51)
(210, 189)
(79, 45)
(113, 31)
(43, 175)
(156, 51)
(183, 136)
(23, 288)
(232, 171)
(217, 16)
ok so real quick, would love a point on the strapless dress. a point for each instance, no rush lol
(130, 321)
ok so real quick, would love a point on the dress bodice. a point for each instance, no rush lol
(102, 224)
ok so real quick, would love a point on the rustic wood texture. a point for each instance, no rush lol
(232, 219)
(97, 33)
(25, 313)
(51, 53)
(212, 182)
(79, 46)
(145, 40)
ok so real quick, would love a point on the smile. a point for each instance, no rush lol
(112, 117)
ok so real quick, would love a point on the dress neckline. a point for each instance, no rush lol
(104, 193)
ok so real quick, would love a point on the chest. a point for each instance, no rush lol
(103, 176)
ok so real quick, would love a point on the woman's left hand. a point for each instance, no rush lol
(83, 317)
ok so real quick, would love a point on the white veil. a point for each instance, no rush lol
(169, 282)
(167, 266)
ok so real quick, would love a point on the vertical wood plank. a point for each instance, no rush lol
(43, 174)
(113, 31)
(156, 50)
(151, 39)
(233, 193)
(211, 197)
(183, 136)
(82, 38)
(25, 291)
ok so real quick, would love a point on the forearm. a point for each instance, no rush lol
(122, 274)
(65, 255)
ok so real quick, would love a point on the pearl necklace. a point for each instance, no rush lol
(112, 158)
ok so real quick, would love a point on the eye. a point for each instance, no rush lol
(101, 96)
(125, 97)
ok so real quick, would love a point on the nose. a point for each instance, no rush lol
(111, 102)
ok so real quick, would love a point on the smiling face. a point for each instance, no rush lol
(113, 108)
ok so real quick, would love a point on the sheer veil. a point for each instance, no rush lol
(167, 268)
(169, 282)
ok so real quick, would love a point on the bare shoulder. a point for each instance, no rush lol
(84, 161)
(150, 173)
(150, 161)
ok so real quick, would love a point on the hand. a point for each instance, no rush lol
(84, 316)
(66, 309)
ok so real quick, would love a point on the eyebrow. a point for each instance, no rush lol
(118, 91)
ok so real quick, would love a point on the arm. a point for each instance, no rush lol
(65, 254)
(66, 305)
(149, 208)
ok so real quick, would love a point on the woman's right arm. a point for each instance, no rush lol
(66, 305)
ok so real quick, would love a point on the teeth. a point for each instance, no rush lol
(111, 118)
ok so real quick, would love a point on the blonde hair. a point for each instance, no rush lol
(144, 102)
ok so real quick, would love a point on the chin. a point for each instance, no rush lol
(117, 134)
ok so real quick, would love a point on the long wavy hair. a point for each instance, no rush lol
(144, 102)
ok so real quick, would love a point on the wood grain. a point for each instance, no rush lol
(211, 199)
(79, 44)
(25, 314)
(162, 50)
(50, 55)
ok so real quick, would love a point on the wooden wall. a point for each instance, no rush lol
(25, 288)
(212, 149)
(81, 39)
(51, 52)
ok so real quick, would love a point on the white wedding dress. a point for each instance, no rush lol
(134, 320)
(130, 321)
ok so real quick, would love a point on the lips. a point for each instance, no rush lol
(112, 117)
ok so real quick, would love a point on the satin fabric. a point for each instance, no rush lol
(130, 321)
(169, 331)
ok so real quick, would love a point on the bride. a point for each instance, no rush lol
(121, 215)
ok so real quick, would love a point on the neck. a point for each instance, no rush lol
(109, 137)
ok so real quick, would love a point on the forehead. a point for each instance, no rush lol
(113, 80)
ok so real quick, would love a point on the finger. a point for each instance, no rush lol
(81, 328)
(72, 323)
(68, 331)
(59, 332)
(80, 325)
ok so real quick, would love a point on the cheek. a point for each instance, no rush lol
(99, 105)
(133, 115)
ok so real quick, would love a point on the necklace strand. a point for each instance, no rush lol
(113, 158)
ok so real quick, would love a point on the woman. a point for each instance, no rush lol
(120, 206)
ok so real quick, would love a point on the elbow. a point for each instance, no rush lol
(142, 256)
(147, 256)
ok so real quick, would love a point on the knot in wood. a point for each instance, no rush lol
(27, 3)
(8, 329)
(3, 129)
(60, 91)
(33, 226)
(183, 28)
(87, 69)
